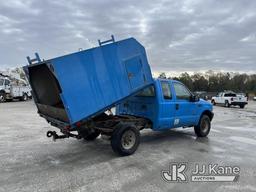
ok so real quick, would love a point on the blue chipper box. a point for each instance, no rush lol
(81, 85)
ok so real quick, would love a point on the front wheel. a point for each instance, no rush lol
(213, 102)
(24, 97)
(2, 97)
(125, 140)
(203, 127)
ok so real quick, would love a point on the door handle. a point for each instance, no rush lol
(177, 106)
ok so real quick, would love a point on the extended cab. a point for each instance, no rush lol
(168, 104)
(230, 98)
(76, 93)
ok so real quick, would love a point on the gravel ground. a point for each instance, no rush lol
(32, 162)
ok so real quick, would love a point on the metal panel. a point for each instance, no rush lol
(135, 72)
(95, 79)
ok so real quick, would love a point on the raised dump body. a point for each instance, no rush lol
(78, 86)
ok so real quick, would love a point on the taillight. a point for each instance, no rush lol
(78, 124)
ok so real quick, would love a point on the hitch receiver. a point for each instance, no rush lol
(55, 136)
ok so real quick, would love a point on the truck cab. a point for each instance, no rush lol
(167, 104)
(10, 91)
(230, 98)
(4, 88)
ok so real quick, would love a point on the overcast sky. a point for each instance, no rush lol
(189, 35)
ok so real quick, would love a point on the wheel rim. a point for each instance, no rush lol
(205, 126)
(128, 139)
(25, 97)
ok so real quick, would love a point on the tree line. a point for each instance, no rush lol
(217, 81)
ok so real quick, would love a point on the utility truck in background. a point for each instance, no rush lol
(76, 93)
(230, 98)
(11, 88)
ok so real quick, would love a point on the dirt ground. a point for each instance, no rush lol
(29, 161)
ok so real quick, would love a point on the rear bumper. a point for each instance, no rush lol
(238, 103)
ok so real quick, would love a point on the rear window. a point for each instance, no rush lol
(148, 92)
(229, 95)
(7, 82)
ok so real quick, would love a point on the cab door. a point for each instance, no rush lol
(166, 106)
(7, 86)
(185, 110)
(219, 98)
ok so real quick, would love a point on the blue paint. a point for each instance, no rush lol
(96, 79)
(115, 74)
(163, 112)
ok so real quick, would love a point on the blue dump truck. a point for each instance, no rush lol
(77, 93)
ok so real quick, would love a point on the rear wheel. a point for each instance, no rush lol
(241, 106)
(2, 97)
(125, 140)
(213, 102)
(89, 134)
(203, 127)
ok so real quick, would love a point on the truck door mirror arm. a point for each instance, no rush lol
(194, 98)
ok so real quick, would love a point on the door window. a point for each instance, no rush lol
(181, 91)
(229, 95)
(7, 82)
(1, 82)
(166, 90)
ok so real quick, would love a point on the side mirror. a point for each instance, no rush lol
(194, 98)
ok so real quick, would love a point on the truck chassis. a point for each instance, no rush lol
(124, 131)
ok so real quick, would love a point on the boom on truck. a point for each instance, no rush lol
(73, 92)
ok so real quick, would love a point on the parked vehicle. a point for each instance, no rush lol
(73, 92)
(230, 98)
(12, 89)
(202, 94)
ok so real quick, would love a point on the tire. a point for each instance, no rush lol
(24, 97)
(241, 106)
(227, 104)
(2, 97)
(89, 134)
(125, 140)
(203, 127)
(213, 102)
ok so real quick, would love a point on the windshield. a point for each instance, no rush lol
(1, 82)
